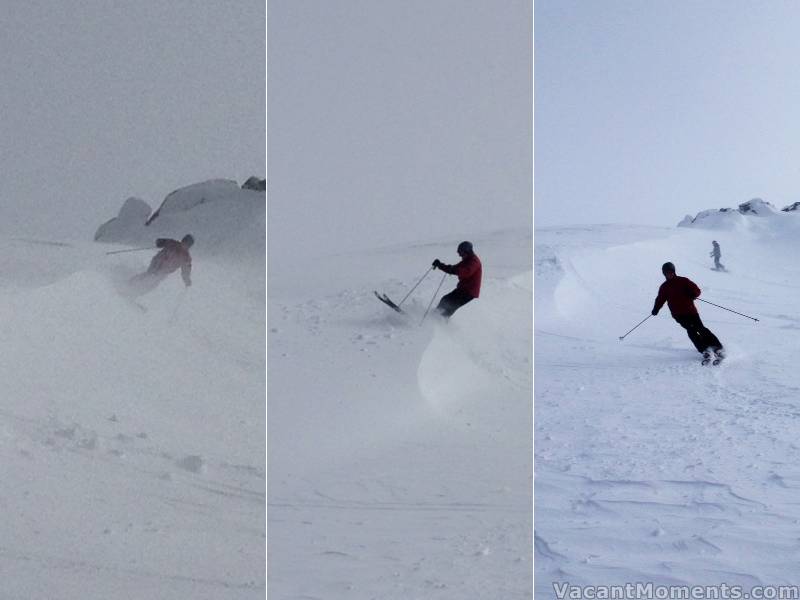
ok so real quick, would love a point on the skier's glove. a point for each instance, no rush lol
(437, 263)
(654, 312)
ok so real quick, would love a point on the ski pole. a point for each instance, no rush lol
(728, 309)
(415, 287)
(434, 298)
(130, 250)
(622, 337)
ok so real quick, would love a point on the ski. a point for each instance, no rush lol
(719, 356)
(713, 358)
(385, 299)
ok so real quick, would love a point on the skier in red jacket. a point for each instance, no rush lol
(679, 293)
(174, 255)
(469, 272)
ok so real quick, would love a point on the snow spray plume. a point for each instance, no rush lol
(432, 299)
(728, 309)
(622, 337)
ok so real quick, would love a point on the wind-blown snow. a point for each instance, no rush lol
(400, 454)
(649, 466)
(132, 442)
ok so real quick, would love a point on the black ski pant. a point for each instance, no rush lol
(701, 336)
(451, 302)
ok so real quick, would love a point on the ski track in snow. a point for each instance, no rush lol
(399, 453)
(650, 467)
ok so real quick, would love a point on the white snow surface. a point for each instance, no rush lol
(132, 442)
(650, 467)
(399, 454)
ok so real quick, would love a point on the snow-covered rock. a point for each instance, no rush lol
(190, 196)
(133, 214)
(255, 184)
(791, 207)
(222, 217)
(722, 218)
(756, 206)
(740, 218)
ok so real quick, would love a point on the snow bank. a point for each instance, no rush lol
(121, 229)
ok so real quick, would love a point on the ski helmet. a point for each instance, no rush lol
(188, 240)
(465, 247)
(667, 267)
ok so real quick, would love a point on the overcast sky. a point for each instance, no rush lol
(647, 111)
(104, 100)
(397, 120)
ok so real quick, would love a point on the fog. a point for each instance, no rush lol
(397, 121)
(104, 101)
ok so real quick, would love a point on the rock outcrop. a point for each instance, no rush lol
(255, 184)
(132, 215)
(222, 217)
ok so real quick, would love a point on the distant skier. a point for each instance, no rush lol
(717, 254)
(680, 293)
(469, 272)
(174, 255)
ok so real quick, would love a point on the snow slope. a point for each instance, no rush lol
(650, 467)
(132, 442)
(399, 454)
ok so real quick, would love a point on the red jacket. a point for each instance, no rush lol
(679, 294)
(173, 256)
(469, 272)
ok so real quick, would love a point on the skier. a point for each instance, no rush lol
(174, 255)
(716, 254)
(679, 293)
(469, 272)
